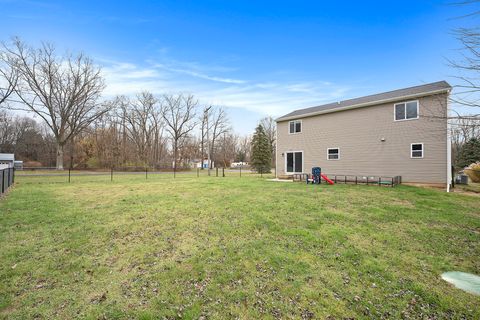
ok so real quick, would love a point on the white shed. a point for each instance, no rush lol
(7, 160)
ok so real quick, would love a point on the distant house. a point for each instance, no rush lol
(402, 132)
(194, 163)
(238, 164)
(199, 163)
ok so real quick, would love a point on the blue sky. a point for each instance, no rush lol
(256, 58)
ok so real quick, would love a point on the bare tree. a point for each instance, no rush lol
(179, 116)
(468, 65)
(243, 149)
(270, 127)
(63, 92)
(8, 76)
(24, 137)
(7, 132)
(219, 126)
(142, 116)
(206, 114)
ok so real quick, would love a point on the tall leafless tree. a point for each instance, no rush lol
(143, 122)
(179, 116)
(219, 126)
(468, 65)
(63, 91)
(8, 76)
(204, 124)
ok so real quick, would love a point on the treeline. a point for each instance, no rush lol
(132, 134)
(77, 128)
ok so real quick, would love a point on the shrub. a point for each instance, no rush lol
(473, 172)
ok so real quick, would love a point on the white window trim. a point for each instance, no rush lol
(395, 107)
(301, 126)
(328, 149)
(411, 150)
(303, 161)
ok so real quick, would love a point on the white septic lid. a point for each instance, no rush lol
(466, 281)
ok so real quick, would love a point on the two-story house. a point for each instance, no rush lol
(397, 133)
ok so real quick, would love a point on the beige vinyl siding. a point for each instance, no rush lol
(358, 133)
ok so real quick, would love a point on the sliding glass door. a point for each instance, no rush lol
(294, 162)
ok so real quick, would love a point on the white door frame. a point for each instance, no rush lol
(303, 161)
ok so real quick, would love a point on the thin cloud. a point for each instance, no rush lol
(200, 75)
(265, 98)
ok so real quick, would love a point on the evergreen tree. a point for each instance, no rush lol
(469, 153)
(261, 151)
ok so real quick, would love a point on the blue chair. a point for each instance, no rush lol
(316, 179)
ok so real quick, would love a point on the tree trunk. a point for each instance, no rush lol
(202, 153)
(175, 147)
(59, 156)
(212, 154)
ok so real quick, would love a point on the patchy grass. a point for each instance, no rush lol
(471, 187)
(233, 248)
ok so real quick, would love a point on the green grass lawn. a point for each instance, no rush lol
(233, 247)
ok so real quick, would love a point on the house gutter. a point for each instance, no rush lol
(361, 105)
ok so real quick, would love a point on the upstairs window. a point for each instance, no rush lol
(406, 110)
(416, 150)
(295, 126)
(333, 153)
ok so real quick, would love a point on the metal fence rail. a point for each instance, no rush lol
(7, 178)
(356, 179)
(114, 174)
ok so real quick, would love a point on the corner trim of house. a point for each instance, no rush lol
(449, 150)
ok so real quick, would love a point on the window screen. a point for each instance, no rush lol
(412, 110)
(289, 162)
(400, 111)
(333, 154)
(298, 162)
(406, 110)
(417, 150)
(295, 126)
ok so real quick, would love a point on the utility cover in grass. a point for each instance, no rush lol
(462, 280)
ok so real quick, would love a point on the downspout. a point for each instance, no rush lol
(276, 150)
(449, 147)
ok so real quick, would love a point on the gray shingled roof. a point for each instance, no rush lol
(373, 99)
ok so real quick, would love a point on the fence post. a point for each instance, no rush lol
(69, 173)
(146, 173)
(379, 181)
(223, 172)
(3, 173)
(111, 174)
(240, 171)
(216, 172)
